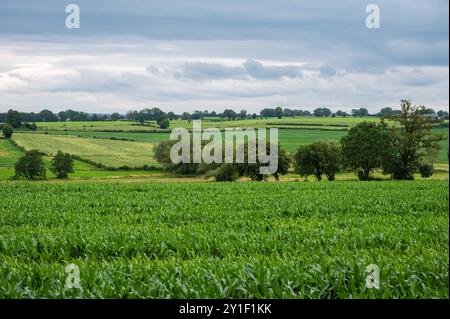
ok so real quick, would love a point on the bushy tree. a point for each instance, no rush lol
(365, 147)
(7, 131)
(412, 141)
(162, 155)
(426, 170)
(318, 158)
(14, 118)
(252, 170)
(62, 165)
(279, 112)
(224, 173)
(164, 124)
(115, 116)
(30, 166)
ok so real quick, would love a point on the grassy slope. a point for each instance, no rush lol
(108, 152)
(241, 240)
(289, 138)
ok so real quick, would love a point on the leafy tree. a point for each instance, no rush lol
(386, 112)
(412, 142)
(47, 116)
(115, 116)
(224, 173)
(279, 112)
(318, 158)
(7, 131)
(30, 166)
(341, 113)
(365, 147)
(426, 170)
(322, 112)
(360, 112)
(62, 165)
(252, 170)
(443, 114)
(14, 118)
(229, 114)
(163, 124)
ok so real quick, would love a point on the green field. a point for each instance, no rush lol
(99, 147)
(229, 240)
(111, 153)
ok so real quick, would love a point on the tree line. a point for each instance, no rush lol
(17, 119)
(400, 149)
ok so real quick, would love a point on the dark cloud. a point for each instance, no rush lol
(249, 69)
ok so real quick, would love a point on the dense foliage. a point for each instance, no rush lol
(30, 166)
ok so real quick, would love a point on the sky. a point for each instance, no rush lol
(186, 55)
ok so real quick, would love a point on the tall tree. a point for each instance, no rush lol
(30, 166)
(412, 140)
(318, 158)
(14, 118)
(62, 165)
(365, 147)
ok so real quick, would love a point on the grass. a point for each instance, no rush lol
(290, 138)
(304, 121)
(229, 240)
(111, 153)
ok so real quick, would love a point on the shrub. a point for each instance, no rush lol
(225, 173)
(426, 170)
(7, 131)
(62, 165)
(318, 158)
(163, 124)
(30, 166)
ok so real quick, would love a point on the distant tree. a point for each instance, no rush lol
(224, 173)
(242, 114)
(341, 113)
(412, 140)
(62, 165)
(288, 113)
(322, 112)
(443, 114)
(279, 112)
(30, 166)
(229, 114)
(8, 131)
(267, 112)
(426, 170)
(30, 126)
(386, 112)
(361, 112)
(318, 158)
(47, 116)
(14, 118)
(164, 124)
(63, 116)
(172, 116)
(424, 111)
(186, 116)
(365, 148)
(115, 116)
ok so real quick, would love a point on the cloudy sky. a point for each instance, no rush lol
(185, 55)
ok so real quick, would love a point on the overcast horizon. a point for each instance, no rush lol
(183, 56)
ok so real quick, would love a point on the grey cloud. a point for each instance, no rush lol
(209, 71)
(327, 70)
(249, 69)
(259, 71)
